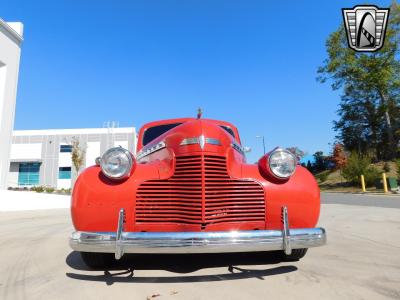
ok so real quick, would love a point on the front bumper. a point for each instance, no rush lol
(197, 242)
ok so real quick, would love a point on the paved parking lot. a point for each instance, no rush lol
(389, 201)
(361, 261)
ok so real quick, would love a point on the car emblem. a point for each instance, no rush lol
(365, 27)
(202, 141)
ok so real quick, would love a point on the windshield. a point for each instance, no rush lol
(228, 129)
(154, 132)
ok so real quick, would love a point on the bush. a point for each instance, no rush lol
(323, 176)
(61, 191)
(64, 191)
(371, 174)
(37, 189)
(359, 165)
(398, 168)
(49, 189)
(386, 167)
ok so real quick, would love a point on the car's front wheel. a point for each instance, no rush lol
(98, 260)
(296, 254)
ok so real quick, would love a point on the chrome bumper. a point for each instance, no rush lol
(197, 242)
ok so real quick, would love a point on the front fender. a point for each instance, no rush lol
(300, 194)
(97, 199)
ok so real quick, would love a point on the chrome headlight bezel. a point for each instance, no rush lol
(125, 157)
(291, 161)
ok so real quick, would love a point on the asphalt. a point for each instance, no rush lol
(379, 200)
(360, 261)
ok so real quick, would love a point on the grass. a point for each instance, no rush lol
(333, 181)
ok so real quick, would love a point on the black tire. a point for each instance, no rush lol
(98, 260)
(296, 254)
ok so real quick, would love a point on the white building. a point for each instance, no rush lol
(10, 49)
(43, 157)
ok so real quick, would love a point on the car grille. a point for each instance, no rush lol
(200, 192)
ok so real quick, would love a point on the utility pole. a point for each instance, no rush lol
(263, 141)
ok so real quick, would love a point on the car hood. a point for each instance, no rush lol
(194, 137)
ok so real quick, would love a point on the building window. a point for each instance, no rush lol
(65, 148)
(64, 173)
(28, 174)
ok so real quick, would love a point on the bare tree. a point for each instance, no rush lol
(78, 154)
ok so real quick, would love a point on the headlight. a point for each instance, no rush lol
(116, 163)
(282, 163)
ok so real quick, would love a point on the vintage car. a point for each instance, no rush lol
(190, 190)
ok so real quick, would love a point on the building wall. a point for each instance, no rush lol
(92, 152)
(10, 42)
(13, 174)
(27, 144)
(19, 151)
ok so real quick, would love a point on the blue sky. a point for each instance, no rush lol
(252, 63)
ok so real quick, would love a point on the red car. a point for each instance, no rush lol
(190, 190)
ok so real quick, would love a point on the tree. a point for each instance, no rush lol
(319, 161)
(339, 156)
(360, 127)
(78, 154)
(297, 152)
(309, 166)
(370, 78)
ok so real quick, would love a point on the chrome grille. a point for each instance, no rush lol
(200, 192)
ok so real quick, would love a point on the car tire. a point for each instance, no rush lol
(98, 260)
(296, 254)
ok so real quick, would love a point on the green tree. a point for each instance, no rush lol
(320, 161)
(369, 78)
(309, 166)
(360, 126)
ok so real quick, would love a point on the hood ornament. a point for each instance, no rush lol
(199, 113)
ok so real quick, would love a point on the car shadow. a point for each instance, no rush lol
(124, 270)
